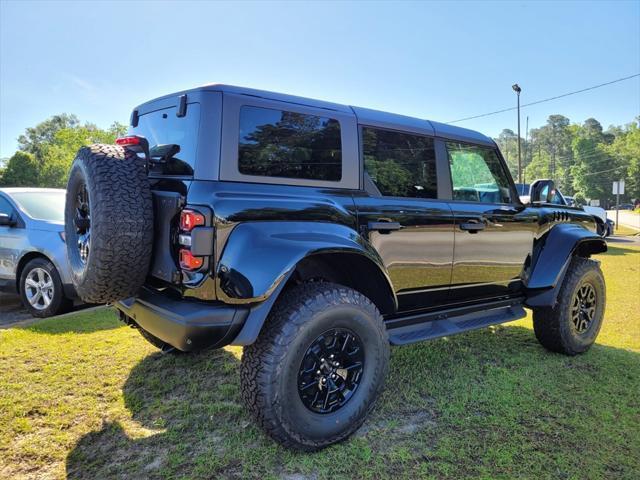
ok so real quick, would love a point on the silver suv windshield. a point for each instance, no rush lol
(44, 205)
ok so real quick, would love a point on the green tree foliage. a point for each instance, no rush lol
(42, 134)
(625, 150)
(508, 143)
(59, 153)
(581, 158)
(20, 171)
(47, 150)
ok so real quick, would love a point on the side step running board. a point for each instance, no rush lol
(453, 325)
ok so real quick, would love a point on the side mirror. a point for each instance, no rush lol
(542, 191)
(6, 220)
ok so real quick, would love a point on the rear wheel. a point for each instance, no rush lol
(41, 289)
(317, 367)
(571, 327)
(108, 223)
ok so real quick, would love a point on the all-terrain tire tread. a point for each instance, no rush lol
(121, 224)
(260, 360)
(547, 320)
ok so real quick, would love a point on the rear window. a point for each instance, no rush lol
(42, 205)
(162, 128)
(278, 143)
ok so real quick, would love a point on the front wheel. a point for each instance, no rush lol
(41, 289)
(571, 327)
(317, 367)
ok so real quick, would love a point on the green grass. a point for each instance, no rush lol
(86, 397)
(624, 231)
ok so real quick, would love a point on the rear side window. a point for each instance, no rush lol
(164, 128)
(278, 143)
(400, 164)
(477, 174)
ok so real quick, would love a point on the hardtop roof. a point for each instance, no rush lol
(364, 115)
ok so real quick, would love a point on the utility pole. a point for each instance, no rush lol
(526, 150)
(516, 88)
(617, 186)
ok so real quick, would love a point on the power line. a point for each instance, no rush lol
(548, 99)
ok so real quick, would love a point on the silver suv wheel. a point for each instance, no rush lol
(39, 288)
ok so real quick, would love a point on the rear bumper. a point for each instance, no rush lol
(185, 325)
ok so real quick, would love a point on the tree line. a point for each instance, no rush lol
(45, 152)
(583, 159)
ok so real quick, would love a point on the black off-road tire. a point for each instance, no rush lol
(121, 223)
(554, 327)
(59, 303)
(270, 367)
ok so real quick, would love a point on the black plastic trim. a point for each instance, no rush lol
(442, 327)
(185, 325)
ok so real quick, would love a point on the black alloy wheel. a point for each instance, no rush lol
(82, 223)
(583, 307)
(331, 370)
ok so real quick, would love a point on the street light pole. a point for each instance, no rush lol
(517, 89)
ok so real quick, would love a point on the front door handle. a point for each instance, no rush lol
(472, 227)
(384, 226)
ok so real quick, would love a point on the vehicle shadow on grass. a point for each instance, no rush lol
(478, 404)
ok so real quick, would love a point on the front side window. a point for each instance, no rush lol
(277, 143)
(400, 164)
(477, 174)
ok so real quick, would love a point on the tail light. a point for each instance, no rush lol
(128, 141)
(190, 219)
(188, 261)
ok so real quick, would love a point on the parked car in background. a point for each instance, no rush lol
(33, 258)
(604, 225)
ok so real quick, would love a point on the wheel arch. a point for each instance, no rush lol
(551, 259)
(290, 253)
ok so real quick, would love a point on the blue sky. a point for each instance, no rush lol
(441, 61)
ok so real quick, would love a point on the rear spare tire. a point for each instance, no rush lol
(108, 223)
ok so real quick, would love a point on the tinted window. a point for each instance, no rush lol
(163, 128)
(400, 164)
(42, 205)
(477, 174)
(276, 143)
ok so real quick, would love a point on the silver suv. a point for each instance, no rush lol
(33, 257)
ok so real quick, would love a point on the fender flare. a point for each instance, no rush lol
(260, 257)
(551, 261)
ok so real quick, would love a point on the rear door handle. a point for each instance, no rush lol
(384, 226)
(472, 227)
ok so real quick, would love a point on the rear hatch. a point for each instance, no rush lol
(172, 133)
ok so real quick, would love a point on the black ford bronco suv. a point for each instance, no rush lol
(315, 235)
